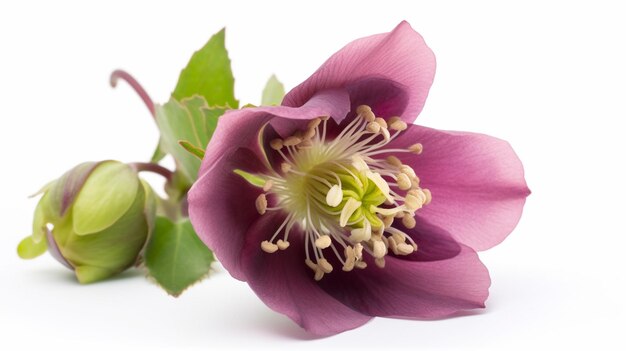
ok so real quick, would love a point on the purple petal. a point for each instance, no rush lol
(222, 206)
(391, 72)
(286, 284)
(477, 183)
(239, 128)
(452, 279)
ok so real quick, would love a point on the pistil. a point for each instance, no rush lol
(342, 195)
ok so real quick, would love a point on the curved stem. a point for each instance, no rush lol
(154, 168)
(125, 76)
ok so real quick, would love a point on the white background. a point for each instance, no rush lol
(550, 77)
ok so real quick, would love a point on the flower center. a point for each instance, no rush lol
(345, 193)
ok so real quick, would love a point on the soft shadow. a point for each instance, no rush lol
(61, 274)
(459, 314)
(276, 324)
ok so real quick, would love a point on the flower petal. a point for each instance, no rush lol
(477, 183)
(391, 72)
(239, 128)
(221, 206)
(286, 284)
(452, 279)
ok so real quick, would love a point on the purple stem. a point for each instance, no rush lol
(154, 168)
(125, 76)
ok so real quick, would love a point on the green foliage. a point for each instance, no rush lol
(209, 75)
(175, 257)
(191, 120)
(273, 92)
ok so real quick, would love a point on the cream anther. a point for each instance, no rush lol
(269, 247)
(408, 221)
(360, 265)
(319, 274)
(276, 144)
(381, 122)
(416, 148)
(379, 249)
(429, 196)
(404, 249)
(324, 265)
(323, 242)
(308, 134)
(348, 209)
(292, 141)
(310, 264)
(404, 182)
(361, 109)
(373, 127)
(314, 123)
(408, 171)
(412, 202)
(358, 251)
(268, 185)
(395, 123)
(394, 161)
(350, 259)
(282, 245)
(334, 196)
(261, 204)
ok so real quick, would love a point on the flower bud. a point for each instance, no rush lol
(95, 220)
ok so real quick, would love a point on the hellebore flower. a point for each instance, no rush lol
(335, 208)
(95, 220)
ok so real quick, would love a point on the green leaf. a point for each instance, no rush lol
(175, 257)
(273, 92)
(194, 150)
(105, 197)
(191, 120)
(30, 248)
(158, 153)
(208, 74)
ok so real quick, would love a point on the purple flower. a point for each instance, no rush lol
(335, 208)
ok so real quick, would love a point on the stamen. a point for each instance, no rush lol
(404, 183)
(269, 247)
(323, 242)
(292, 141)
(416, 148)
(395, 123)
(261, 204)
(341, 195)
(282, 245)
(408, 221)
(276, 144)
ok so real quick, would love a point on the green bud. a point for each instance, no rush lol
(95, 219)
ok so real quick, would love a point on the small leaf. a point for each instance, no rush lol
(29, 248)
(158, 154)
(192, 120)
(105, 197)
(273, 92)
(175, 257)
(192, 149)
(208, 74)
